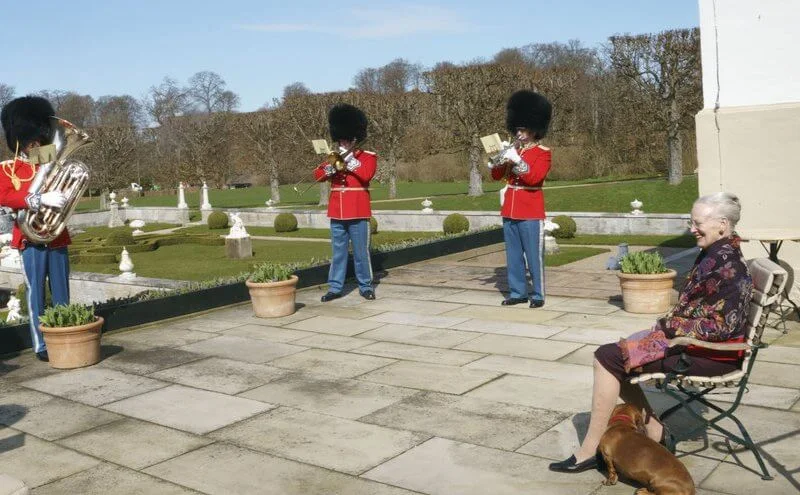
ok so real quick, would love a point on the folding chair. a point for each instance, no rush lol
(769, 280)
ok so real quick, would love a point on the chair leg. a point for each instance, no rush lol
(748, 443)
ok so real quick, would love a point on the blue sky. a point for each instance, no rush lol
(117, 47)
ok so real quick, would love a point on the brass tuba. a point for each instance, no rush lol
(69, 177)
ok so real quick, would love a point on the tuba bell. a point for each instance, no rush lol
(57, 173)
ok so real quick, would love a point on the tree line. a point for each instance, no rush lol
(626, 108)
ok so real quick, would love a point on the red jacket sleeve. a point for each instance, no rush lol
(319, 173)
(538, 166)
(499, 171)
(369, 165)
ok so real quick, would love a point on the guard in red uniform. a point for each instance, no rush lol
(349, 204)
(28, 122)
(524, 169)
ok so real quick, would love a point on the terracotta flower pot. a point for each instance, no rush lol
(646, 293)
(73, 347)
(273, 299)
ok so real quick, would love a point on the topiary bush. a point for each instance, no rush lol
(119, 237)
(217, 220)
(285, 222)
(566, 227)
(642, 263)
(373, 225)
(455, 223)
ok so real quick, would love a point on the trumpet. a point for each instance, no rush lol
(497, 158)
(339, 159)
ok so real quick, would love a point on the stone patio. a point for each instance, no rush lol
(433, 388)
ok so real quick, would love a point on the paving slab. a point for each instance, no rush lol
(489, 298)
(352, 313)
(133, 443)
(49, 417)
(335, 325)
(558, 371)
(415, 306)
(334, 342)
(107, 478)
(775, 374)
(426, 376)
(544, 393)
(222, 469)
(340, 444)
(403, 318)
(189, 409)
(508, 345)
(243, 349)
(203, 324)
(588, 306)
(22, 367)
(591, 335)
(264, 332)
(389, 291)
(626, 325)
(505, 314)
(149, 360)
(323, 394)
(560, 441)
(465, 469)
(419, 353)
(95, 385)
(467, 419)
(221, 375)
(779, 354)
(158, 337)
(36, 461)
(509, 328)
(334, 363)
(584, 356)
(424, 336)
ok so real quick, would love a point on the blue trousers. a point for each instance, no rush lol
(38, 263)
(524, 242)
(343, 232)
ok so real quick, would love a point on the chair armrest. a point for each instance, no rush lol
(719, 346)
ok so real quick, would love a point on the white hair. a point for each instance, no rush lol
(724, 205)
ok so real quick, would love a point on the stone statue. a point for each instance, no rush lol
(13, 306)
(237, 228)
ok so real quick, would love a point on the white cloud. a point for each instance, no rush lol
(375, 23)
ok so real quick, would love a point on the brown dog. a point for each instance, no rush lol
(627, 449)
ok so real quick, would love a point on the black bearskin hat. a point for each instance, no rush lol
(529, 110)
(28, 119)
(347, 122)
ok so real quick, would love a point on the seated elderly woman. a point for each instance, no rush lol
(712, 307)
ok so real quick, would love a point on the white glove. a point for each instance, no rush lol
(352, 163)
(490, 165)
(53, 199)
(342, 150)
(329, 170)
(512, 155)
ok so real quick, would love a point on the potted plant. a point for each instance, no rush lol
(646, 283)
(72, 335)
(272, 289)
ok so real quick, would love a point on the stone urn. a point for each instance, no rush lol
(73, 347)
(646, 293)
(273, 299)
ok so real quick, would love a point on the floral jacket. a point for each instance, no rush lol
(713, 304)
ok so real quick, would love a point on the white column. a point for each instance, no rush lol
(181, 197)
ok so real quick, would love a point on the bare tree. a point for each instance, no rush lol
(295, 89)
(367, 80)
(112, 156)
(262, 131)
(6, 94)
(397, 76)
(208, 90)
(204, 143)
(664, 67)
(166, 101)
(122, 110)
(511, 56)
(78, 109)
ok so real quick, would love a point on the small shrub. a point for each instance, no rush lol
(120, 237)
(642, 262)
(566, 227)
(67, 315)
(455, 223)
(22, 295)
(285, 222)
(217, 220)
(271, 272)
(373, 225)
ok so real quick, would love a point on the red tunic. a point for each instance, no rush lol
(349, 197)
(15, 200)
(524, 199)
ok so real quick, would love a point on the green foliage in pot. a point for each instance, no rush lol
(455, 223)
(566, 227)
(285, 222)
(217, 220)
(67, 315)
(642, 263)
(271, 272)
(373, 225)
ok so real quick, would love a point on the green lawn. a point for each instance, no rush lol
(570, 254)
(593, 195)
(91, 232)
(382, 237)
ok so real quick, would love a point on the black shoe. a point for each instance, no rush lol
(514, 300)
(536, 304)
(42, 356)
(572, 466)
(369, 295)
(330, 296)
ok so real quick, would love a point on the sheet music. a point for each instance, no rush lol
(491, 143)
(320, 146)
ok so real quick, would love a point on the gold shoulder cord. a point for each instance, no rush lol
(10, 169)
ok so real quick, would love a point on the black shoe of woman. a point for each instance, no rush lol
(572, 465)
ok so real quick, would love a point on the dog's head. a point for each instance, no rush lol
(628, 413)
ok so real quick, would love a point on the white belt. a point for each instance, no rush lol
(524, 188)
(342, 189)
